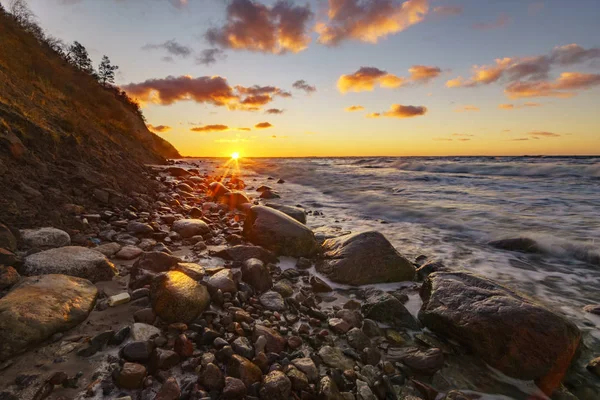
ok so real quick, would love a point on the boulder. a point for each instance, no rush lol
(272, 301)
(510, 332)
(148, 266)
(45, 238)
(178, 298)
(70, 260)
(190, 227)
(387, 309)
(8, 277)
(295, 212)
(522, 244)
(217, 189)
(41, 306)
(363, 258)
(256, 274)
(178, 171)
(193, 270)
(222, 280)
(234, 199)
(279, 232)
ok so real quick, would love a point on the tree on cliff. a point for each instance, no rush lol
(106, 72)
(78, 56)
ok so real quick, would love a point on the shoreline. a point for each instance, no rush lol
(305, 312)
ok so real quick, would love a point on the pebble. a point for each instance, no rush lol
(118, 299)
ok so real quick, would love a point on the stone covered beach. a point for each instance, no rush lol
(216, 288)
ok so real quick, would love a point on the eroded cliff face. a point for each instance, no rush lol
(64, 138)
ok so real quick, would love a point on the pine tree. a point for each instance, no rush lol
(106, 72)
(78, 56)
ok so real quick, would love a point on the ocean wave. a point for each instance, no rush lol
(535, 169)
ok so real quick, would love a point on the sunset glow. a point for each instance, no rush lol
(351, 78)
(235, 155)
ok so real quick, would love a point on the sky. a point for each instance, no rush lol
(351, 77)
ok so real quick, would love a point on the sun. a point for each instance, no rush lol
(235, 155)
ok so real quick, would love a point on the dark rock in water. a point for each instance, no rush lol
(269, 194)
(276, 386)
(319, 285)
(363, 258)
(295, 212)
(96, 344)
(388, 309)
(256, 274)
(279, 232)
(508, 331)
(217, 189)
(592, 309)
(131, 376)
(234, 200)
(120, 336)
(422, 361)
(178, 298)
(41, 306)
(242, 253)
(70, 260)
(522, 244)
(303, 263)
(137, 351)
(190, 227)
(429, 268)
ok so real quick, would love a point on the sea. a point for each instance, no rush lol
(450, 208)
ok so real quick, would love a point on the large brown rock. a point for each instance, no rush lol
(507, 330)
(178, 298)
(363, 258)
(190, 227)
(279, 232)
(244, 369)
(41, 306)
(234, 199)
(70, 260)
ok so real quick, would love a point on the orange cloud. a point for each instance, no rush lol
(500, 22)
(253, 26)
(366, 78)
(354, 108)
(544, 134)
(368, 21)
(563, 87)
(213, 90)
(467, 108)
(158, 128)
(423, 73)
(400, 111)
(534, 68)
(210, 128)
(263, 125)
(517, 106)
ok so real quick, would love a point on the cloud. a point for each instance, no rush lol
(500, 22)
(210, 128)
(544, 134)
(467, 108)
(563, 87)
(210, 56)
(462, 135)
(172, 47)
(400, 111)
(366, 78)
(448, 10)
(274, 111)
(423, 73)
(368, 20)
(536, 68)
(158, 128)
(253, 26)
(519, 139)
(303, 85)
(354, 108)
(213, 90)
(517, 106)
(263, 125)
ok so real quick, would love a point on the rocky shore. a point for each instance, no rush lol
(217, 289)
